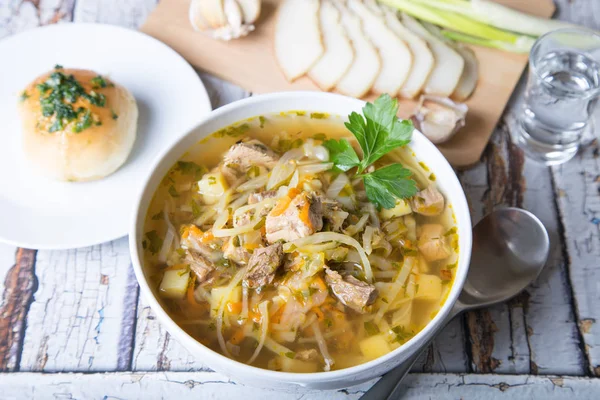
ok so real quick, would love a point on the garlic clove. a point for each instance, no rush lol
(250, 10)
(196, 18)
(439, 118)
(224, 19)
(214, 13)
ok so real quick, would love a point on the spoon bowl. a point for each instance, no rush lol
(510, 249)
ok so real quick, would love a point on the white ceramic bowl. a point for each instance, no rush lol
(311, 102)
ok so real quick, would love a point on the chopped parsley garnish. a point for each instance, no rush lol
(371, 328)
(401, 334)
(195, 209)
(84, 122)
(58, 66)
(58, 94)
(191, 168)
(378, 131)
(24, 96)
(154, 242)
(290, 354)
(173, 191)
(114, 115)
(98, 82)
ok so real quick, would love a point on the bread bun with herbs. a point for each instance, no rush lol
(77, 125)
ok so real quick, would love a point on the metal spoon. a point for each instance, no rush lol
(510, 248)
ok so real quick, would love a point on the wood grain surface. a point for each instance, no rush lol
(80, 310)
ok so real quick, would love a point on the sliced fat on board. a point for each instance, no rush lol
(365, 68)
(423, 60)
(298, 44)
(448, 67)
(470, 76)
(339, 53)
(396, 58)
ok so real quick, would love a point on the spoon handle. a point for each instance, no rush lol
(388, 387)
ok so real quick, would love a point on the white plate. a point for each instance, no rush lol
(39, 213)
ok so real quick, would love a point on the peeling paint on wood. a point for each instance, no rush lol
(19, 286)
(579, 209)
(74, 323)
(17, 16)
(551, 328)
(210, 385)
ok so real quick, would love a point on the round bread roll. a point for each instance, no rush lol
(77, 125)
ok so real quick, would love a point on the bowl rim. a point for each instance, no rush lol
(459, 204)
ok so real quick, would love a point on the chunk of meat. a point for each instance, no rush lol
(237, 254)
(428, 202)
(350, 291)
(262, 266)
(333, 213)
(307, 355)
(245, 217)
(294, 218)
(432, 242)
(258, 197)
(243, 155)
(200, 265)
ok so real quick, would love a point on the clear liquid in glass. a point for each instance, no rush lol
(561, 94)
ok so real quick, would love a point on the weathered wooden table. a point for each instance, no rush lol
(72, 323)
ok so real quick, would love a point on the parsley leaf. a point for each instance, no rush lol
(342, 154)
(380, 131)
(386, 184)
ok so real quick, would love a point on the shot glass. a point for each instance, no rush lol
(562, 89)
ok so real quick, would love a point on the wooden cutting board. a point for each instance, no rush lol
(249, 62)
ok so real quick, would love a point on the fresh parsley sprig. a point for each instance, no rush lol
(378, 131)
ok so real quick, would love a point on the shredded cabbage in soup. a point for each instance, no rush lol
(265, 252)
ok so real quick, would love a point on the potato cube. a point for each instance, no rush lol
(218, 294)
(374, 346)
(401, 208)
(429, 287)
(292, 365)
(212, 187)
(174, 284)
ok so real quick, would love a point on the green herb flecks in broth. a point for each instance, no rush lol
(281, 242)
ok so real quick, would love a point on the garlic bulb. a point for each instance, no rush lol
(439, 118)
(224, 19)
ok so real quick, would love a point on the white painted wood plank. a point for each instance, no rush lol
(126, 13)
(7, 260)
(209, 385)
(17, 16)
(523, 330)
(75, 322)
(578, 186)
